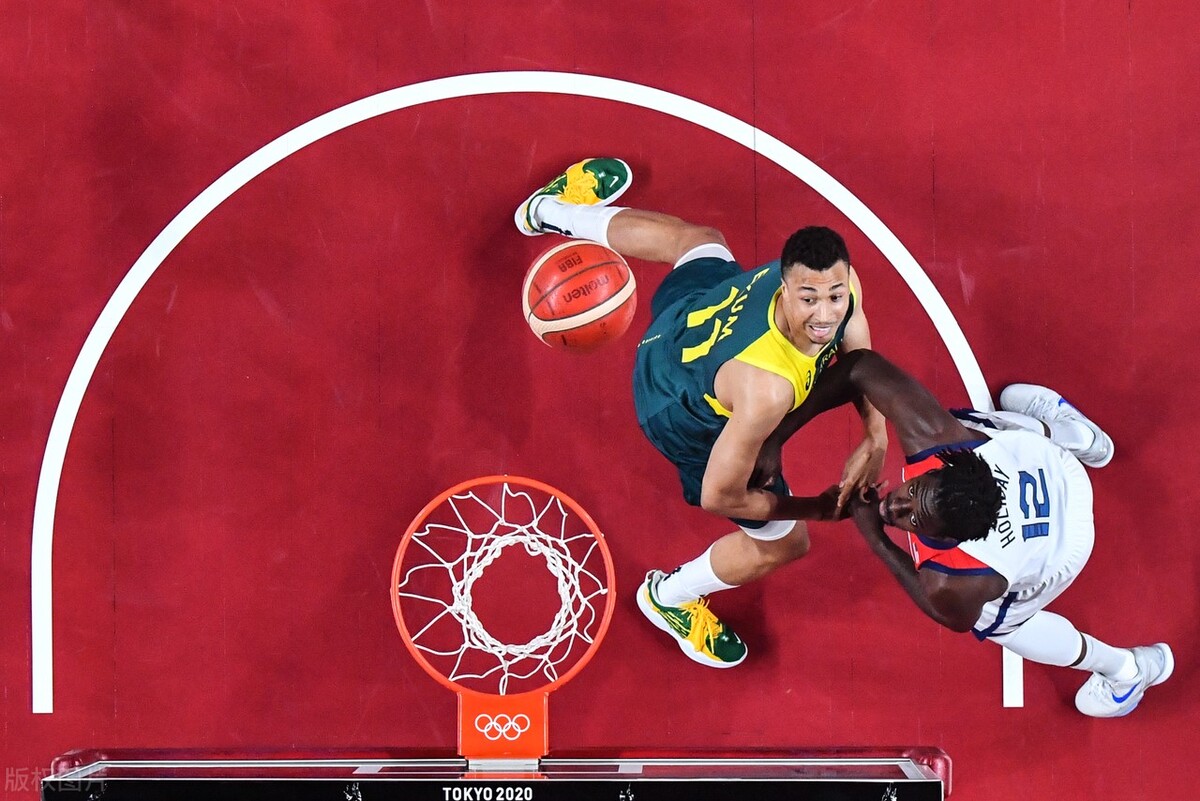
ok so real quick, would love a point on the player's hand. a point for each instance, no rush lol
(864, 506)
(862, 469)
(828, 507)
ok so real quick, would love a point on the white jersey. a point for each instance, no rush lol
(1043, 534)
(1044, 494)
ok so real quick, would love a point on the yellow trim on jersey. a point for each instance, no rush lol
(700, 317)
(717, 406)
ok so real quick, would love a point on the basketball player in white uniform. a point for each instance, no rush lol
(998, 510)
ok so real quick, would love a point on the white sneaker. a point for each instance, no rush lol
(1045, 404)
(1103, 698)
(591, 182)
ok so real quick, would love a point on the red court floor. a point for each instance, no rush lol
(341, 339)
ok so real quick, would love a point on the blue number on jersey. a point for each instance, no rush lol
(1034, 505)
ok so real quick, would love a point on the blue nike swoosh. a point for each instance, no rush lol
(1123, 698)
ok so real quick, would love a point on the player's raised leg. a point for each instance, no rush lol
(578, 203)
(654, 236)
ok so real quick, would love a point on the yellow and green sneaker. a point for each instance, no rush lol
(591, 182)
(701, 636)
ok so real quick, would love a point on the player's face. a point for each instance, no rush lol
(911, 507)
(815, 303)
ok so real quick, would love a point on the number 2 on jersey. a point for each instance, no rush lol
(1035, 506)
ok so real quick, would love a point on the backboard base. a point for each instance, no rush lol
(896, 774)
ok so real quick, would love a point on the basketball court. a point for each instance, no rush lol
(260, 304)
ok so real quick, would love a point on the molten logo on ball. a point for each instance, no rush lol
(579, 295)
(583, 291)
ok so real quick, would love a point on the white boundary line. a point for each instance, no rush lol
(470, 85)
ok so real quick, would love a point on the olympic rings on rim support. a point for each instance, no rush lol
(508, 727)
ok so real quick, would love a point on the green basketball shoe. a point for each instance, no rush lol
(591, 182)
(701, 636)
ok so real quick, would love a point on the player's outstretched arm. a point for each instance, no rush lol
(919, 420)
(866, 462)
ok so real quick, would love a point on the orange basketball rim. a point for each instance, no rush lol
(464, 533)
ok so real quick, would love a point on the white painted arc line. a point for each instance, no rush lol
(45, 503)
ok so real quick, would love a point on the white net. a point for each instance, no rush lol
(470, 536)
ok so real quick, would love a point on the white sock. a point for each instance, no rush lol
(1113, 663)
(583, 222)
(690, 581)
(1071, 434)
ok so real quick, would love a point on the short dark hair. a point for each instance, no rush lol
(968, 496)
(816, 247)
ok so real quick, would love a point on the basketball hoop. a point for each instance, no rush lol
(452, 553)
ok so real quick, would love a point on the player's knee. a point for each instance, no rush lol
(797, 542)
(789, 548)
(689, 236)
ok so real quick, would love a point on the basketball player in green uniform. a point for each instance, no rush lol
(728, 355)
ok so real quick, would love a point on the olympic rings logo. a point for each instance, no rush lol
(502, 726)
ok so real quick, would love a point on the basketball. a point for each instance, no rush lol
(579, 295)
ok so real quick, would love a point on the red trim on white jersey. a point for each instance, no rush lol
(949, 559)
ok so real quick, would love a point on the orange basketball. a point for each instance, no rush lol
(579, 295)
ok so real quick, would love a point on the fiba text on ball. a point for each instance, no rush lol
(569, 261)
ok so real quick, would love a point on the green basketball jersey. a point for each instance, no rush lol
(689, 341)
